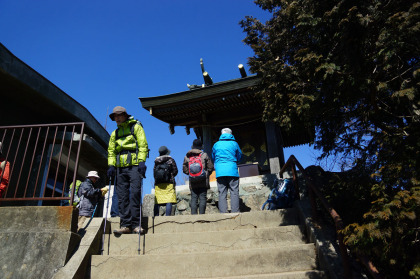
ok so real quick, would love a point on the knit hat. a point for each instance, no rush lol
(197, 144)
(118, 110)
(226, 130)
(92, 174)
(163, 150)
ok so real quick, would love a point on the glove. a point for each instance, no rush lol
(142, 169)
(104, 190)
(111, 171)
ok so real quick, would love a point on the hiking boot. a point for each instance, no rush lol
(122, 230)
(138, 230)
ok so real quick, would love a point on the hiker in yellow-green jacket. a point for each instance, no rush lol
(127, 152)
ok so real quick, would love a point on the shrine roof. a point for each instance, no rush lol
(186, 108)
(226, 103)
(198, 93)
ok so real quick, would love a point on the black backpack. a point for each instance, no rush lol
(162, 173)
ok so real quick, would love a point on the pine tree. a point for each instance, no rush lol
(351, 69)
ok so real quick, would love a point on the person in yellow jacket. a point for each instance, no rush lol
(164, 172)
(127, 152)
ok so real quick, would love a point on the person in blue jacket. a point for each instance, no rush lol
(89, 197)
(226, 154)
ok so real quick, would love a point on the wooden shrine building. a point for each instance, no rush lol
(229, 104)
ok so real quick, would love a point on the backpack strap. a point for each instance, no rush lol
(199, 155)
(270, 199)
(132, 133)
(202, 162)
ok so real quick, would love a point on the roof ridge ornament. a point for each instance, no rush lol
(194, 86)
(242, 70)
(207, 79)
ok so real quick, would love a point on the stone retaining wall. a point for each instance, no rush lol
(253, 192)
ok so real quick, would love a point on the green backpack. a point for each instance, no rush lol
(76, 198)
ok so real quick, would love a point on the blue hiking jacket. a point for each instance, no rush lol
(226, 154)
(91, 196)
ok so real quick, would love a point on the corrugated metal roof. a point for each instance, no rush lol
(26, 92)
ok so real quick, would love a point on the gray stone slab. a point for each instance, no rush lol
(34, 254)
(37, 241)
(204, 265)
(311, 274)
(194, 242)
(38, 218)
(90, 244)
(217, 222)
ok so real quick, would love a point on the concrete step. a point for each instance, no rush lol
(312, 274)
(206, 265)
(217, 222)
(194, 242)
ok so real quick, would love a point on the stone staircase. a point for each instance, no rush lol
(256, 244)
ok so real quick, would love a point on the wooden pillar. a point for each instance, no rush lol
(207, 144)
(207, 147)
(274, 147)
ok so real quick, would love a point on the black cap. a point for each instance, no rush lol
(197, 144)
(163, 150)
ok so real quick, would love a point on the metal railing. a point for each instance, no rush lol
(314, 194)
(43, 162)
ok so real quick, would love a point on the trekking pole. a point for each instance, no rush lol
(91, 217)
(141, 203)
(106, 214)
(94, 210)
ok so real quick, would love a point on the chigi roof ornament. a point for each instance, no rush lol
(242, 70)
(207, 79)
(206, 76)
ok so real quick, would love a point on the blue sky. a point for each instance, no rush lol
(108, 53)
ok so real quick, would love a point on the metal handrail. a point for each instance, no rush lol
(25, 147)
(292, 163)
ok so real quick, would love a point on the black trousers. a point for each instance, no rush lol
(129, 184)
(199, 194)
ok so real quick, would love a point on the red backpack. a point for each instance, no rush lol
(195, 169)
